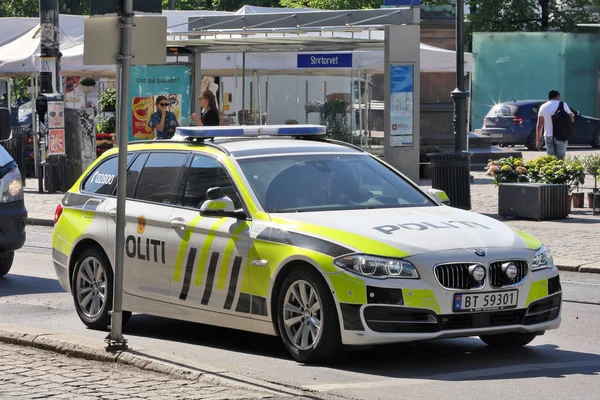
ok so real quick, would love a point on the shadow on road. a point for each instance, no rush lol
(12, 285)
(450, 359)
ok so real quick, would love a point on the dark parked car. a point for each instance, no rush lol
(514, 123)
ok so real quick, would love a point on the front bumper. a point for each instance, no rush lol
(389, 324)
(12, 225)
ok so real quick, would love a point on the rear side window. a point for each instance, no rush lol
(503, 110)
(159, 179)
(134, 172)
(103, 179)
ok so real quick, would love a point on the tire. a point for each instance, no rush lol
(308, 343)
(93, 275)
(531, 142)
(6, 261)
(511, 340)
(596, 139)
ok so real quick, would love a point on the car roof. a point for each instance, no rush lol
(521, 102)
(256, 147)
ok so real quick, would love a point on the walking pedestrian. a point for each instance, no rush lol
(556, 119)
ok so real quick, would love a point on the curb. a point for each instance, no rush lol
(39, 222)
(589, 267)
(89, 349)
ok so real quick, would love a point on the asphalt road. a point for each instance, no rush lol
(558, 365)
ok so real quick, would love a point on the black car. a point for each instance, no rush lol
(514, 123)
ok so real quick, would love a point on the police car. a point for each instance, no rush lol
(280, 231)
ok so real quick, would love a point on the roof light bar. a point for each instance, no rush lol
(248, 131)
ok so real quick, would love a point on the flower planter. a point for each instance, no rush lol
(536, 201)
(590, 198)
(578, 198)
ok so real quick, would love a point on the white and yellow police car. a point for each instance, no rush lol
(280, 231)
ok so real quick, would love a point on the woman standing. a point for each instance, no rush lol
(210, 113)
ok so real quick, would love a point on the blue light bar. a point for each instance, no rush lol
(248, 131)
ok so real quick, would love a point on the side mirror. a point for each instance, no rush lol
(4, 124)
(219, 205)
(439, 195)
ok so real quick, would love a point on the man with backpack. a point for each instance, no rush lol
(556, 119)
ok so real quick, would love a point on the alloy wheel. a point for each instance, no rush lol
(91, 288)
(302, 315)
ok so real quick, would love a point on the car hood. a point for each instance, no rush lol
(411, 230)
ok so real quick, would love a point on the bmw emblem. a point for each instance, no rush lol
(480, 252)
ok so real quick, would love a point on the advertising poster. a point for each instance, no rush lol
(56, 142)
(148, 82)
(401, 106)
(56, 114)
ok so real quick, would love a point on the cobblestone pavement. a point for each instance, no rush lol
(31, 373)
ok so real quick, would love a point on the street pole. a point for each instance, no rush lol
(460, 95)
(116, 341)
(171, 4)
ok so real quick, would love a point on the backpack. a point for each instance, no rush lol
(562, 126)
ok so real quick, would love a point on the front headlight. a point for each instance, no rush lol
(377, 267)
(542, 259)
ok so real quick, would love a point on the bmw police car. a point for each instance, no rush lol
(280, 231)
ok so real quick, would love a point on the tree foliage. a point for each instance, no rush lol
(332, 4)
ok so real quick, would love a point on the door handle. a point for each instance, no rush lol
(113, 213)
(178, 223)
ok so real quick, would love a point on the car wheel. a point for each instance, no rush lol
(307, 317)
(6, 261)
(596, 139)
(93, 289)
(531, 142)
(510, 340)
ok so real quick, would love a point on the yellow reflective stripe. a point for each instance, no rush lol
(531, 242)
(183, 247)
(224, 270)
(217, 205)
(537, 291)
(205, 250)
(420, 298)
(348, 288)
(362, 243)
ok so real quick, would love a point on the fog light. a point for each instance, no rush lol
(510, 270)
(477, 272)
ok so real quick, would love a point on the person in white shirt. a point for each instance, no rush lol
(554, 147)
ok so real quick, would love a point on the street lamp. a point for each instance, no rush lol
(451, 171)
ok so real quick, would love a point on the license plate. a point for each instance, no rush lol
(496, 135)
(464, 302)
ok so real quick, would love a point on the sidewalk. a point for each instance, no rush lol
(40, 364)
(574, 241)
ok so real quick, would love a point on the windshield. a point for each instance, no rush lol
(301, 183)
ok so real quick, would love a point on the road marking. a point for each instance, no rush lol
(456, 376)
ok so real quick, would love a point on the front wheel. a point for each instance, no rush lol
(6, 261)
(307, 317)
(512, 340)
(92, 289)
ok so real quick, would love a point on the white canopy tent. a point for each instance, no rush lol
(19, 48)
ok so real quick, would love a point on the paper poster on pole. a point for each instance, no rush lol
(56, 142)
(56, 114)
(401, 106)
(147, 84)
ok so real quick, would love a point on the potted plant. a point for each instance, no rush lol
(87, 84)
(108, 100)
(591, 164)
(537, 189)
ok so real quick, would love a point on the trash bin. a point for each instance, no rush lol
(451, 173)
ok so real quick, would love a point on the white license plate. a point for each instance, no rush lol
(485, 301)
(496, 135)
